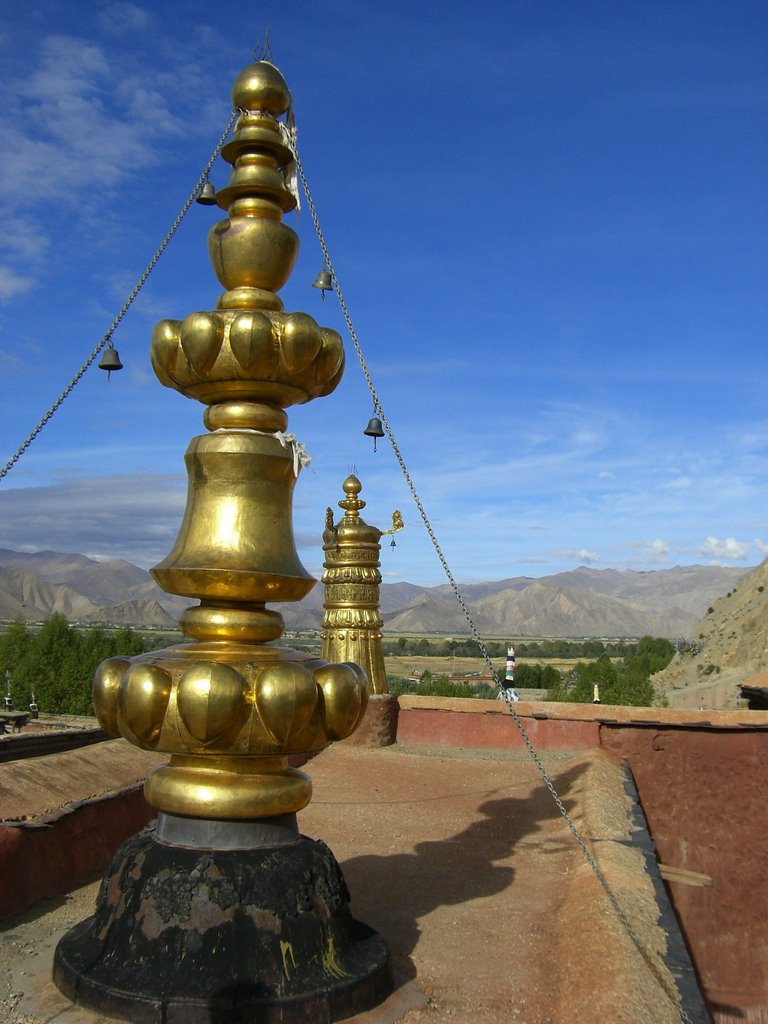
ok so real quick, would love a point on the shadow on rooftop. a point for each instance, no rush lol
(392, 892)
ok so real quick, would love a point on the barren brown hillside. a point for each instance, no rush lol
(731, 644)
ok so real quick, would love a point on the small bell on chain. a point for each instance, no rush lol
(207, 195)
(374, 429)
(323, 281)
(110, 360)
(392, 543)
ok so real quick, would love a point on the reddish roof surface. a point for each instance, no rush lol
(462, 862)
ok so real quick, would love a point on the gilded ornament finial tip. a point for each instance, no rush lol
(260, 86)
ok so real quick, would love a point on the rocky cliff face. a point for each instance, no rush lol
(728, 644)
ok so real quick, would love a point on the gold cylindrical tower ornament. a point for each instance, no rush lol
(352, 621)
(238, 915)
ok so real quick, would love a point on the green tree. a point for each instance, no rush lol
(550, 677)
(58, 663)
(652, 654)
(15, 647)
(627, 682)
(53, 657)
(128, 642)
(468, 649)
(528, 677)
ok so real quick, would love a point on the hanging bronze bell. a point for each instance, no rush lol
(207, 195)
(110, 360)
(374, 429)
(323, 281)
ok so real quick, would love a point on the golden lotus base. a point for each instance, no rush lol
(229, 715)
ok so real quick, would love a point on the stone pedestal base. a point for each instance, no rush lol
(207, 936)
(378, 727)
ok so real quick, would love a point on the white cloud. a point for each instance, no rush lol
(134, 517)
(12, 284)
(23, 239)
(582, 555)
(76, 128)
(761, 546)
(730, 549)
(756, 439)
(79, 126)
(119, 18)
(653, 551)
(24, 245)
(680, 483)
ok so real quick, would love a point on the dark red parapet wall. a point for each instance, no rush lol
(704, 792)
(477, 724)
(63, 816)
(42, 859)
(702, 778)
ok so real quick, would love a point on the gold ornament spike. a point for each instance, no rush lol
(352, 622)
(228, 708)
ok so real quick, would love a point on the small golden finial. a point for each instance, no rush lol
(352, 622)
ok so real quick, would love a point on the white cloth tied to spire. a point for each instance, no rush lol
(288, 133)
(301, 456)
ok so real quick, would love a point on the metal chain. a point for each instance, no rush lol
(650, 962)
(107, 337)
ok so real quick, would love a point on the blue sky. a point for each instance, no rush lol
(549, 223)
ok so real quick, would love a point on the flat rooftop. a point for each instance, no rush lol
(463, 863)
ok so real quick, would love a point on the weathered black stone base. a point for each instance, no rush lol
(259, 936)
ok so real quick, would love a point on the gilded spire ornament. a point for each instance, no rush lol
(247, 919)
(228, 708)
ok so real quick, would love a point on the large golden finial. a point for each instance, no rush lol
(237, 914)
(226, 707)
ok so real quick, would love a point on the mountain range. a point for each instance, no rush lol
(582, 602)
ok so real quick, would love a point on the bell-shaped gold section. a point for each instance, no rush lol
(236, 540)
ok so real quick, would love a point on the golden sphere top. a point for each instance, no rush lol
(352, 485)
(351, 503)
(260, 86)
